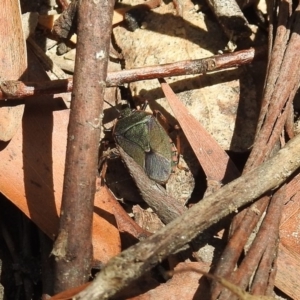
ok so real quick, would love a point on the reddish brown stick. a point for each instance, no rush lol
(19, 89)
(272, 76)
(275, 58)
(274, 118)
(73, 247)
(286, 81)
(235, 245)
(258, 249)
(270, 234)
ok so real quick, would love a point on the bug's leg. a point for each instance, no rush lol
(162, 120)
(103, 171)
(176, 144)
(144, 105)
(102, 162)
(175, 157)
(140, 102)
(105, 153)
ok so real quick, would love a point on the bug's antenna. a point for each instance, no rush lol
(144, 105)
(108, 103)
(112, 106)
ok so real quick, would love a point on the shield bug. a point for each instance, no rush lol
(143, 138)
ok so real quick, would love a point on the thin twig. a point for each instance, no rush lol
(275, 57)
(235, 246)
(19, 89)
(50, 67)
(270, 236)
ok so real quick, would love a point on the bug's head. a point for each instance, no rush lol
(125, 112)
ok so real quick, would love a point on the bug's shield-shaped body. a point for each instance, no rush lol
(144, 139)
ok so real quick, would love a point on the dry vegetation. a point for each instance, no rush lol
(222, 79)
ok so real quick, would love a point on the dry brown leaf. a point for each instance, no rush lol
(288, 270)
(68, 295)
(289, 228)
(13, 63)
(106, 202)
(213, 159)
(183, 285)
(188, 283)
(289, 251)
(31, 175)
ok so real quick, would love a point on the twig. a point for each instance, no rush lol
(261, 280)
(289, 124)
(286, 82)
(153, 193)
(273, 115)
(275, 56)
(19, 89)
(270, 234)
(73, 247)
(124, 222)
(231, 18)
(48, 64)
(258, 248)
(133, 262)
(244, 226)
